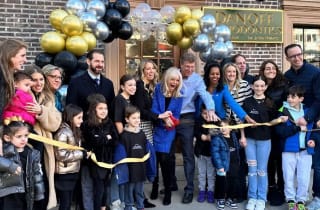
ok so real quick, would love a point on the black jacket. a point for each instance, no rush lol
(32, 186)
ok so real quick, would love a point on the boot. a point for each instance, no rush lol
(154, 191)
(167, 198)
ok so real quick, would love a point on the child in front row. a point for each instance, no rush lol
(297, 151)
(225, 158)
(20, 170)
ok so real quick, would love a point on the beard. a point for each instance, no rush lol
(96, 70)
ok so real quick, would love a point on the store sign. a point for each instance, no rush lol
(250, 25)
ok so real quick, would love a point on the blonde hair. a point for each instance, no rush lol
(238, 77)
(169, 74)
(152, 83)
(8, 49)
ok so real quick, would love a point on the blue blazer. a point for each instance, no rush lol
(163, 138)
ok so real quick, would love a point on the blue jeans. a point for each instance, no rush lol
(316, 169)
(185, 132)
(134, 191)
(257, 153)
(116, 190)
(87, 188)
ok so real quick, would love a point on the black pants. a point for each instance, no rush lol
(100, 192)
(220, 187)
(15, 201)
(65, 199)
(275, 174)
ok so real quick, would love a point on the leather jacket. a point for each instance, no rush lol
(67, 161)
(11, 183)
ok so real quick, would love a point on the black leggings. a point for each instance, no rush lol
(65, 199)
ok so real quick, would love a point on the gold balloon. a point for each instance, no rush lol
(64, 36)
(174, 32)
(90, 39)
(185, 43)
(72, 25)
(52, 42)
(191, 27)
(182, 14)
(56, 17)
(76, 45)
(196, 14)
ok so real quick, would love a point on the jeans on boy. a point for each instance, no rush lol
(133, 191)
(296, 164)
(257, 153)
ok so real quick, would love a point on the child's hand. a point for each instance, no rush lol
(303, 128)
(243, 142)
(89, 154)
(221, 169)
(283, 119)
(205, 137)
(318, 124)
(18, 171)
(311, 143)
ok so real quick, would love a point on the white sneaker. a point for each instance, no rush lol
(315, 204)
(116, 205)
(260, 205)
(251, 204)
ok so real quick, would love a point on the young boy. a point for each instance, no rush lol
(225, 157)
(297, 150)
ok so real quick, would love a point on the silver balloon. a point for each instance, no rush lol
(167, 13)
(229, 47)
(89, 20)
(201, 43)
(207, 23)
(143, 7)
(101, 31)
(222, 31)
(219, 50)
(205, 55)
(152, 18)
(97, 6)
(75, 7)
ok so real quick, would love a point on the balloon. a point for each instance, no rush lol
(101, 31)
(196, 14)
(66, 60)
(152, 18)
(113, 18)
(201, 43)
(72, 25)
(219, 50)
(207, 23)
(90, 39)
(106, 3)
(89, 20)
(77, 45)
(185, 42)
(56, 17)
(110, 38)
(74, 7)
(125, 31)
(43, 59)
(229, 47)
(167, 13)
(174, 32)
(64, 36)
(143, 7)
(122, 6)
(182, 14)
(97, 6)
(222, 31)
(191, 27)
(205, 55)
(82, 63)
(52, 42)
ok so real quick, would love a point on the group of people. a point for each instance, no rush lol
(144, 120)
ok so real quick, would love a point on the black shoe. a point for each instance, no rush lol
(187, 197)
(167, 199)
(147, 204)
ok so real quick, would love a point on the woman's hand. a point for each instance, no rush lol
(34, 108)
(165, 114)
(168, 122)
(249, 119)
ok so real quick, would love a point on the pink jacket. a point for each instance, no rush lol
(16, 107)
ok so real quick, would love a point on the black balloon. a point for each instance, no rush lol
(82, 63)
(125, 31)
(112, 18)
(111, 5)
(122, 6)
(43, 59)
(67, 61)
(112, 35)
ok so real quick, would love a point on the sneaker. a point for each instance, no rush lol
(202, 196)
(260, 205)
(292, 205)
(210, 197)
(301, 206)
(315, 204)
(220, 204)
(230, 203)
(251, 205)
(116, 205)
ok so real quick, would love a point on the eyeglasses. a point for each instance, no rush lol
(296, 55)
(55, 77)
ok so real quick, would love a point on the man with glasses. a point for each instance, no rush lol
(308, 76)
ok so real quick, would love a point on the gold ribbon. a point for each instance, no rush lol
(93, 156)
(271, 123)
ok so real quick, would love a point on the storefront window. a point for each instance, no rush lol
(162, 53)
(309, 39)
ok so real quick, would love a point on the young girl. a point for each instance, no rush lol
(67, 165)
(258, 142)
(17, 106)
(167, 97)
(21, 176)
(100, 137)
(135, 143)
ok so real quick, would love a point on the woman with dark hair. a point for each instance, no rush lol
(277, 88)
